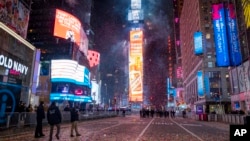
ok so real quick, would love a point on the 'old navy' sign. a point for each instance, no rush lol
(14, 65)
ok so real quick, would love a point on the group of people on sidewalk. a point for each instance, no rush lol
(54, 118)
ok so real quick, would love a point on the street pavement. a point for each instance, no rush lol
(131, 128)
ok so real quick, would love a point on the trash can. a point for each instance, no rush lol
(247, 120)
(205, 117)
(200, 116)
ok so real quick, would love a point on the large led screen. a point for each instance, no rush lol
(220, 38)
(69, 27)
(232, 32)
(69, 97)
(94, 58)
(136, 66)
(198, 43)
(135, 4)
(69, 71)
(15, 15)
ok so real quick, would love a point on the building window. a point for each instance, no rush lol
(210, 64)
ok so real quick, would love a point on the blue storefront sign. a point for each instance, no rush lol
(234, 49)
(220, 37)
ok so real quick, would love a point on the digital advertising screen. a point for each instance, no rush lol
(94, 58)
(69, 97)
(198, 43)
(135, 4)
(70, 28)
(234, 47)
(15, 15)
(69, 71)
(200, 84)
(220, 37)
(68, 91)
(136, 65)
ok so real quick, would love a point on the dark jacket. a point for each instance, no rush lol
(40, 114)
(74, 115)
(54, 115)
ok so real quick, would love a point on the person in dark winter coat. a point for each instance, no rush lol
(40, 115)
(74, 115)
(54, 118)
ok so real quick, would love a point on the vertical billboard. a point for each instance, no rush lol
(198, 43)
(136, 66)
(232, 32)
(200, 84)
(220, 38)
(70, 28)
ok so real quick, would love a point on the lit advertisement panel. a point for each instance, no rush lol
(234, 49)
(221, 45)
(15, 15)
(69, 97)
(179, 72)
(135, 4)
(246, 12)
(198, 43)
(200, 84)
(69, 27)
(135, 15)
(207, 83)
(94, 58)
(135, 66)
(69, 71)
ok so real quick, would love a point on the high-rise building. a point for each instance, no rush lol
(205, 79)
(239, 75)
(61, 30)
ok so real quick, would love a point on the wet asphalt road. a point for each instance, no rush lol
(131, 128)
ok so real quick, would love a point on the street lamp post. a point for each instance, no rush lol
(106, 94)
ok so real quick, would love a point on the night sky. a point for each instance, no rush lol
(108, 22)
(111, 28)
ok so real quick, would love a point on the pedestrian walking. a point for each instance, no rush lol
(54, 119)
(74, 115)
(67, 108)
(40, 115)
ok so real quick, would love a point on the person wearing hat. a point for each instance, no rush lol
(54, 118)
(40, 115)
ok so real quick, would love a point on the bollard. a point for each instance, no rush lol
(8, 121)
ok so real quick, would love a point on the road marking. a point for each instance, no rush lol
(186, 124)
(144, 130)
(187, 130)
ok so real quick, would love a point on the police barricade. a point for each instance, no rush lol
(29, 118)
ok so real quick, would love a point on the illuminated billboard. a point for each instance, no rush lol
(198, 43)
(69, 71)
(234, 47)
(15, 15)
(220, 38)
(135, 15)
(135, 4)
(200, 84)
(70, 28)
(70, 97)
(94, 58)
(136, 66)
(179, 72)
